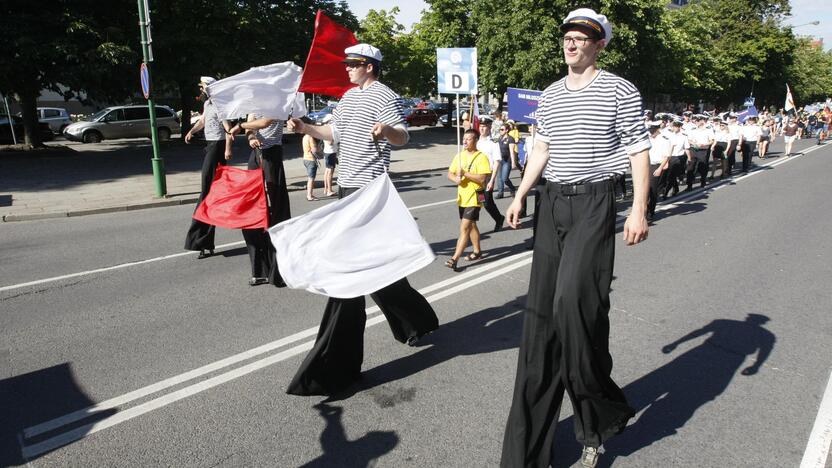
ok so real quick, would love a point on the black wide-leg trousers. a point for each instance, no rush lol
(748, 148)
(700, 165)
(201, 235)
(261, 252)
(565, 343)
(334, 363)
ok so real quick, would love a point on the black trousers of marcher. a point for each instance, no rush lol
(653, 194)
(491, 207)
(565, 343)
(334, 363)
(748, 148)
(201, 235)
(675, 170)
(261, 252)
(700, 165)
(731, 154)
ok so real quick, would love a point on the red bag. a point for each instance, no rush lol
(237, 200)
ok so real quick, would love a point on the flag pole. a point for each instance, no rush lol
(458, 142)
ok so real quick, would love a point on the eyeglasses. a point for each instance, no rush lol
(576, 40)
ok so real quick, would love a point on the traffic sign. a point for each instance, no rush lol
(144, 75)
(456, 70)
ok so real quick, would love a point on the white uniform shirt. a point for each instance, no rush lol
(734, 130)
(679, 144)
(660, 148)
(751, 132)
(490, 149)
(687, 127)
(722, 136)
(701, 137)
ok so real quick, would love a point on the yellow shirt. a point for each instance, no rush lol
(466, 192)
(514, 133)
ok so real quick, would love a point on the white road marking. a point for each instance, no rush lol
(245, 355)
(817, 449)
(467, 279)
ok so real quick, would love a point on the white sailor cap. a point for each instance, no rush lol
(207, 80)
(362, 53)
(654, 124)
(590, 21)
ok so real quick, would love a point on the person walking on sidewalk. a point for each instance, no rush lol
(369, 118)
(310, 162)
(492, 151)
(200, 235)
(589, 126)
(330, 161)
(469, 170)
(507, 146)
(265, 137)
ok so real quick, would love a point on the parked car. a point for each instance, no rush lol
(318, 116)
(57, 118)
(419, 117)
(123, 122)
(17, 122)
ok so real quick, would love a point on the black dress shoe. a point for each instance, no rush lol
(499, 224)
(254, 281)
(205, 253)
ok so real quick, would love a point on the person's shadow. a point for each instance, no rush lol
(339, 451)
(494, 329)
(670, 395)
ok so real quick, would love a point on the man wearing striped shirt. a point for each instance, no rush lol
(368, 119)
(589, 129)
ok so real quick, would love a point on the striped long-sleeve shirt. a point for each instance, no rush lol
(591, 131)
(353, 119)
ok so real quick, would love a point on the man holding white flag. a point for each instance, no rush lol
(368, 120)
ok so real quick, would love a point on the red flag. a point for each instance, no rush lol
(324, 73)
(237, 200)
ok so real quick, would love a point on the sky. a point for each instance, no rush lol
(803, 11)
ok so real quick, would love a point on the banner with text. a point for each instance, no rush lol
(456, 70)
(522, 104)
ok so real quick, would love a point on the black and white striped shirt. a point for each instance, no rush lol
(271, 135)
(353, 119)
(591, 131)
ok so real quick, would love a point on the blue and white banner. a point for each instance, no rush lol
(456, 70)
(522, 104)
(744, 115)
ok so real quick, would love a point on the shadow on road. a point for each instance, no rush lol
(340, 451)
(668, 397)
(36, 397)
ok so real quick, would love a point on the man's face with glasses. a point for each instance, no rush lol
(357, 72)
(579, 49)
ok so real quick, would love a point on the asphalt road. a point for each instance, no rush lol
(187, 365)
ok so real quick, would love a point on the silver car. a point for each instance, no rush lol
(57, 118)
(123, 122)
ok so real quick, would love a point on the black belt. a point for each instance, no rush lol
(580, 188)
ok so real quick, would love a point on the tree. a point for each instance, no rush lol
(406, 66)
(68, 47)
(810, 74)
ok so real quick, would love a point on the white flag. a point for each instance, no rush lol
(789, 100)
(352, 247)
(270, 91)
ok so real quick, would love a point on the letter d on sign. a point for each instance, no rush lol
(457, 82)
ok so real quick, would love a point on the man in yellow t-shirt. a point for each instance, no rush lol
(469, 170)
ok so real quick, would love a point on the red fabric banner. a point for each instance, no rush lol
(324, 73)
(237, 200)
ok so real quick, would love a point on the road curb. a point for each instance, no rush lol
(296, 184)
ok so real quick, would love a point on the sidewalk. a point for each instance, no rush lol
(81, 179)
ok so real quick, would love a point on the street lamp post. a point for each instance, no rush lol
(147, 52)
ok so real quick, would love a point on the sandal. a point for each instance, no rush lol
(311, 199)
(451, 263)
(474, 256)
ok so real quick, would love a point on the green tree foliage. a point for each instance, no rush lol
(810, 74)
(405, 68)
(76, 44)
